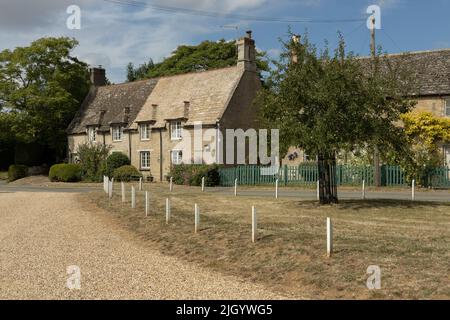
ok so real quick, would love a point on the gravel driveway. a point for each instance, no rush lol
(41, 234)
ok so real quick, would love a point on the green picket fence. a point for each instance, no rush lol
(307, 174)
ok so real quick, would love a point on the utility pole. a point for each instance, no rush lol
(376, 154)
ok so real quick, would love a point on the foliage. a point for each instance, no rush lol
(17, 171)
(64, 172)
(41, 88)
(424, 133)
(126, 173)
(114, 161)
(205, 56)
(192, 174)
(92, 159)
(325, 103)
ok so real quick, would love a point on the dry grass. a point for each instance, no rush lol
(409, 241)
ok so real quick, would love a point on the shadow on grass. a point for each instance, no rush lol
(376, 204)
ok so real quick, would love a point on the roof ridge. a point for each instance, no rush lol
(409, 53)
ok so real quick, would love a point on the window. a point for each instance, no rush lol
(145, 131)
(117, 132)
(447, 107)
(177, 156)
(175, 127)
(92, 134)
(145, 159)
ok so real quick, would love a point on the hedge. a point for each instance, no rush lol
(114, 161)
(17, 171)
(126, 173)
(64, 172)
(192, 174)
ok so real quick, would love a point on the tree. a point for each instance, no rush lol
(41, 88)
(326, 103)
(205, 56)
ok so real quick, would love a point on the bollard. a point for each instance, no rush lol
(254, 224)
(122, 189)
(363, 189)
(197, 218)
(276, 189)
(167, 210)
(140, 184)
(171, 184)
(329, 237)
(203, 184)
(235, 187)
(146, 203)
(413, 190)
(133, 197)
(110, 188)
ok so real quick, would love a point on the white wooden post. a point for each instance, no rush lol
(140, 184)
(105, 189)
(122, 189)
(110, 188)
(317, 191)
(254, 224)
(413, 191)
(235, 187)
(197, 218)
(329, 237)
(146, 203)
(364, 189)
(171, 184)
(133, 197)
(167, 210)
(276, 189)
(203, 184)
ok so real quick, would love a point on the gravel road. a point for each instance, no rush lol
(41, 234)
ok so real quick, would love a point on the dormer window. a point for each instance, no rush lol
(92, 134)
(175, 130)
(145, 131)
(117, 133)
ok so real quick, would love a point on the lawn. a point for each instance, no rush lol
(409, 241)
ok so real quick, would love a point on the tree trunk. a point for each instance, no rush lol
(327, 178)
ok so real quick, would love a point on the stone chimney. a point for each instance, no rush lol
(247, 53)
(186, 109)
(97, 76)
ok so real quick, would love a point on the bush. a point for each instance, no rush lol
(92, 160)
(192, 174)
(17, 171)
(65, 172)
(114, 161)
(126, 173)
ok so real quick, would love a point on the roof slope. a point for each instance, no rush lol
(431, 69)
(107, 105)
(208, 93)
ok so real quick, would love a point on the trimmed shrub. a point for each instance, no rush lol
(17, 171)
(191, 174)
(114, 161)
(126, 173)
(64, 172)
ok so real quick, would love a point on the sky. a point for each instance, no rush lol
(112, 34)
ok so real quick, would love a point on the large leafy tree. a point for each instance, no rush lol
(328, 102)
(41, 87)
(207, 55)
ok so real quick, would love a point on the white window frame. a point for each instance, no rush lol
(144, 163)
(145, 128)
(447, 107)
(114, 132)
(176, 130)
(179, 157)
(92, 134)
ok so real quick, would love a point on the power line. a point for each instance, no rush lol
(216, 14)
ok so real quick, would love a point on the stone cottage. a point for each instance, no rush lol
(148, 120)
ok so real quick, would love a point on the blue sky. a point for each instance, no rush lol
(113, 35)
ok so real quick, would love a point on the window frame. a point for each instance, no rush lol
(113, 128)
(176, 126)
(179, 157)
(148, 130)
(147, 159)
(447, 107)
